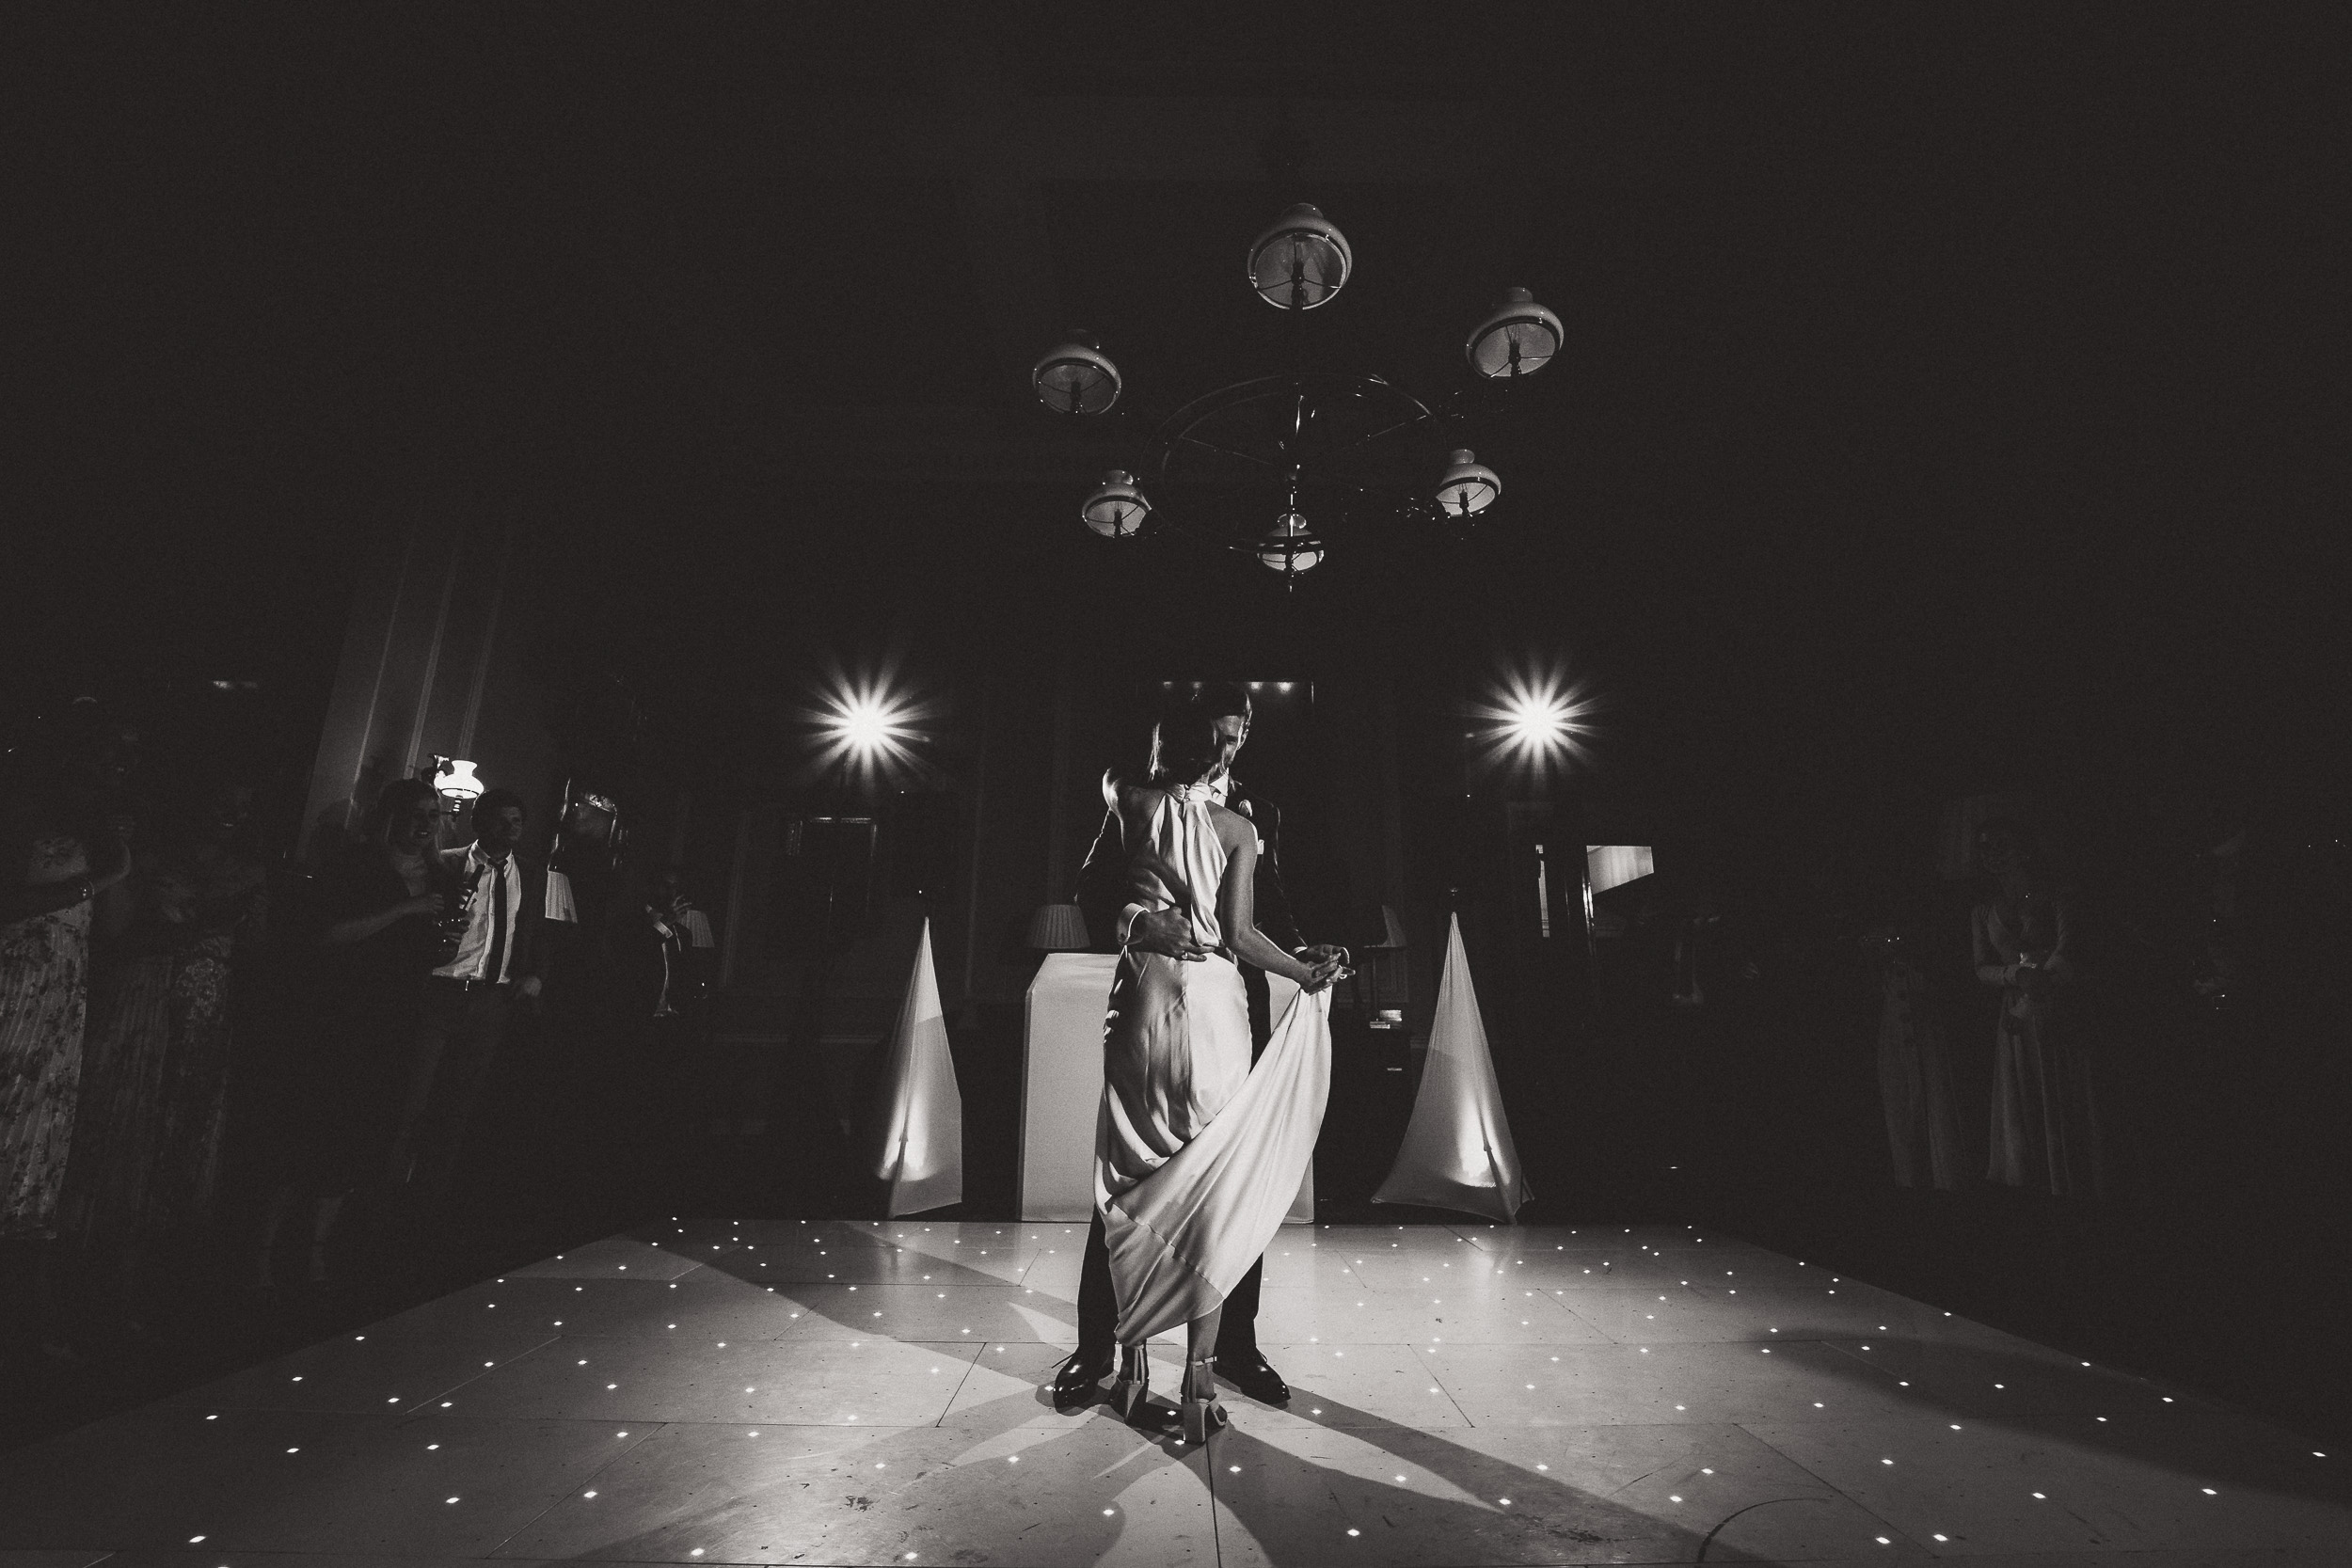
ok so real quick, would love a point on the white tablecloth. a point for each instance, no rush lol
(1061, 1085)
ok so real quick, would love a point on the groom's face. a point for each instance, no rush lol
(1232, 730)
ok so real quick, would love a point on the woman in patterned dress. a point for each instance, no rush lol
(59, 851)
(147, 1140)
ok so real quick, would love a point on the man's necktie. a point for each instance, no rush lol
(498, 923)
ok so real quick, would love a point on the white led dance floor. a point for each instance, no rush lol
(707, 1392)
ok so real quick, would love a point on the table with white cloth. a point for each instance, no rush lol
(1061, 1085)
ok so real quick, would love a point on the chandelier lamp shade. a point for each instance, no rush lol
(1286, 466)
(1075, 377)
(1519, 340)
(1468, 487)
(1301, 260)
(1116, 509)
(1290, 546)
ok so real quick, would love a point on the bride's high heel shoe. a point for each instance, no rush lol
(1133, 1391)
(1202, 1413)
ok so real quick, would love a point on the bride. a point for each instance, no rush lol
(1196, 1155)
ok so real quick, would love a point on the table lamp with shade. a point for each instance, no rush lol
(1058, 928)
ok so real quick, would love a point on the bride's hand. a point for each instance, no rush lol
(1320, 976)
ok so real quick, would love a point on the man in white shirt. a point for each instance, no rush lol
(489, 964)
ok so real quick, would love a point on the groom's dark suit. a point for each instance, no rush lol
(1102, 895)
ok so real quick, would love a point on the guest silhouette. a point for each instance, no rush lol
(2046, 1126)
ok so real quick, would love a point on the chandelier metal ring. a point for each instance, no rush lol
(1303, 434)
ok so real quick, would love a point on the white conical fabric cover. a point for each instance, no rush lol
(1457, 1150)
(922, 1147)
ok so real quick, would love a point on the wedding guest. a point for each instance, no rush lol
(1914, 1068)
(145, 1171)
(63, 844)
(488, 965)
(686, 946)
(2045, 1127)
(622, 1007)
(332, 1125)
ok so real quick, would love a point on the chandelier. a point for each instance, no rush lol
(1263, 466)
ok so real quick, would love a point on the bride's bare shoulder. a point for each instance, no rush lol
(1232, 829)
(1132, 799)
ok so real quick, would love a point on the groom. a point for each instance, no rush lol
(1112, 924)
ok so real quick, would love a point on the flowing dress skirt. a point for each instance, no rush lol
(1199, 1155)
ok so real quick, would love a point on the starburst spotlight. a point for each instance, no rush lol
(1534, 722)
(867, 729)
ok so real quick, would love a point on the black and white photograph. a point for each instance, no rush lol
(1051, 785)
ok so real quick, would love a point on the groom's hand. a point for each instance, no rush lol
(1323, 951)
(1165, 932)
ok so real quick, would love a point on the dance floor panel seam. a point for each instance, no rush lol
(626, 1403)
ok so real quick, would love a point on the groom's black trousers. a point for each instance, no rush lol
(1098, 1304)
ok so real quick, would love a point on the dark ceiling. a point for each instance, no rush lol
(1948, 388)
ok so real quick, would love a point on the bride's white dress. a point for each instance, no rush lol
(1196, 1154)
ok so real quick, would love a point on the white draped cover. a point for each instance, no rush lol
(1457, 1151)
(922, 1134)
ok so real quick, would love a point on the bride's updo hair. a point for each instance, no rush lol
(1184, 746)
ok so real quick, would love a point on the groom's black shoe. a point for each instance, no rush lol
(1079, 1379)
(1248, 1373)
